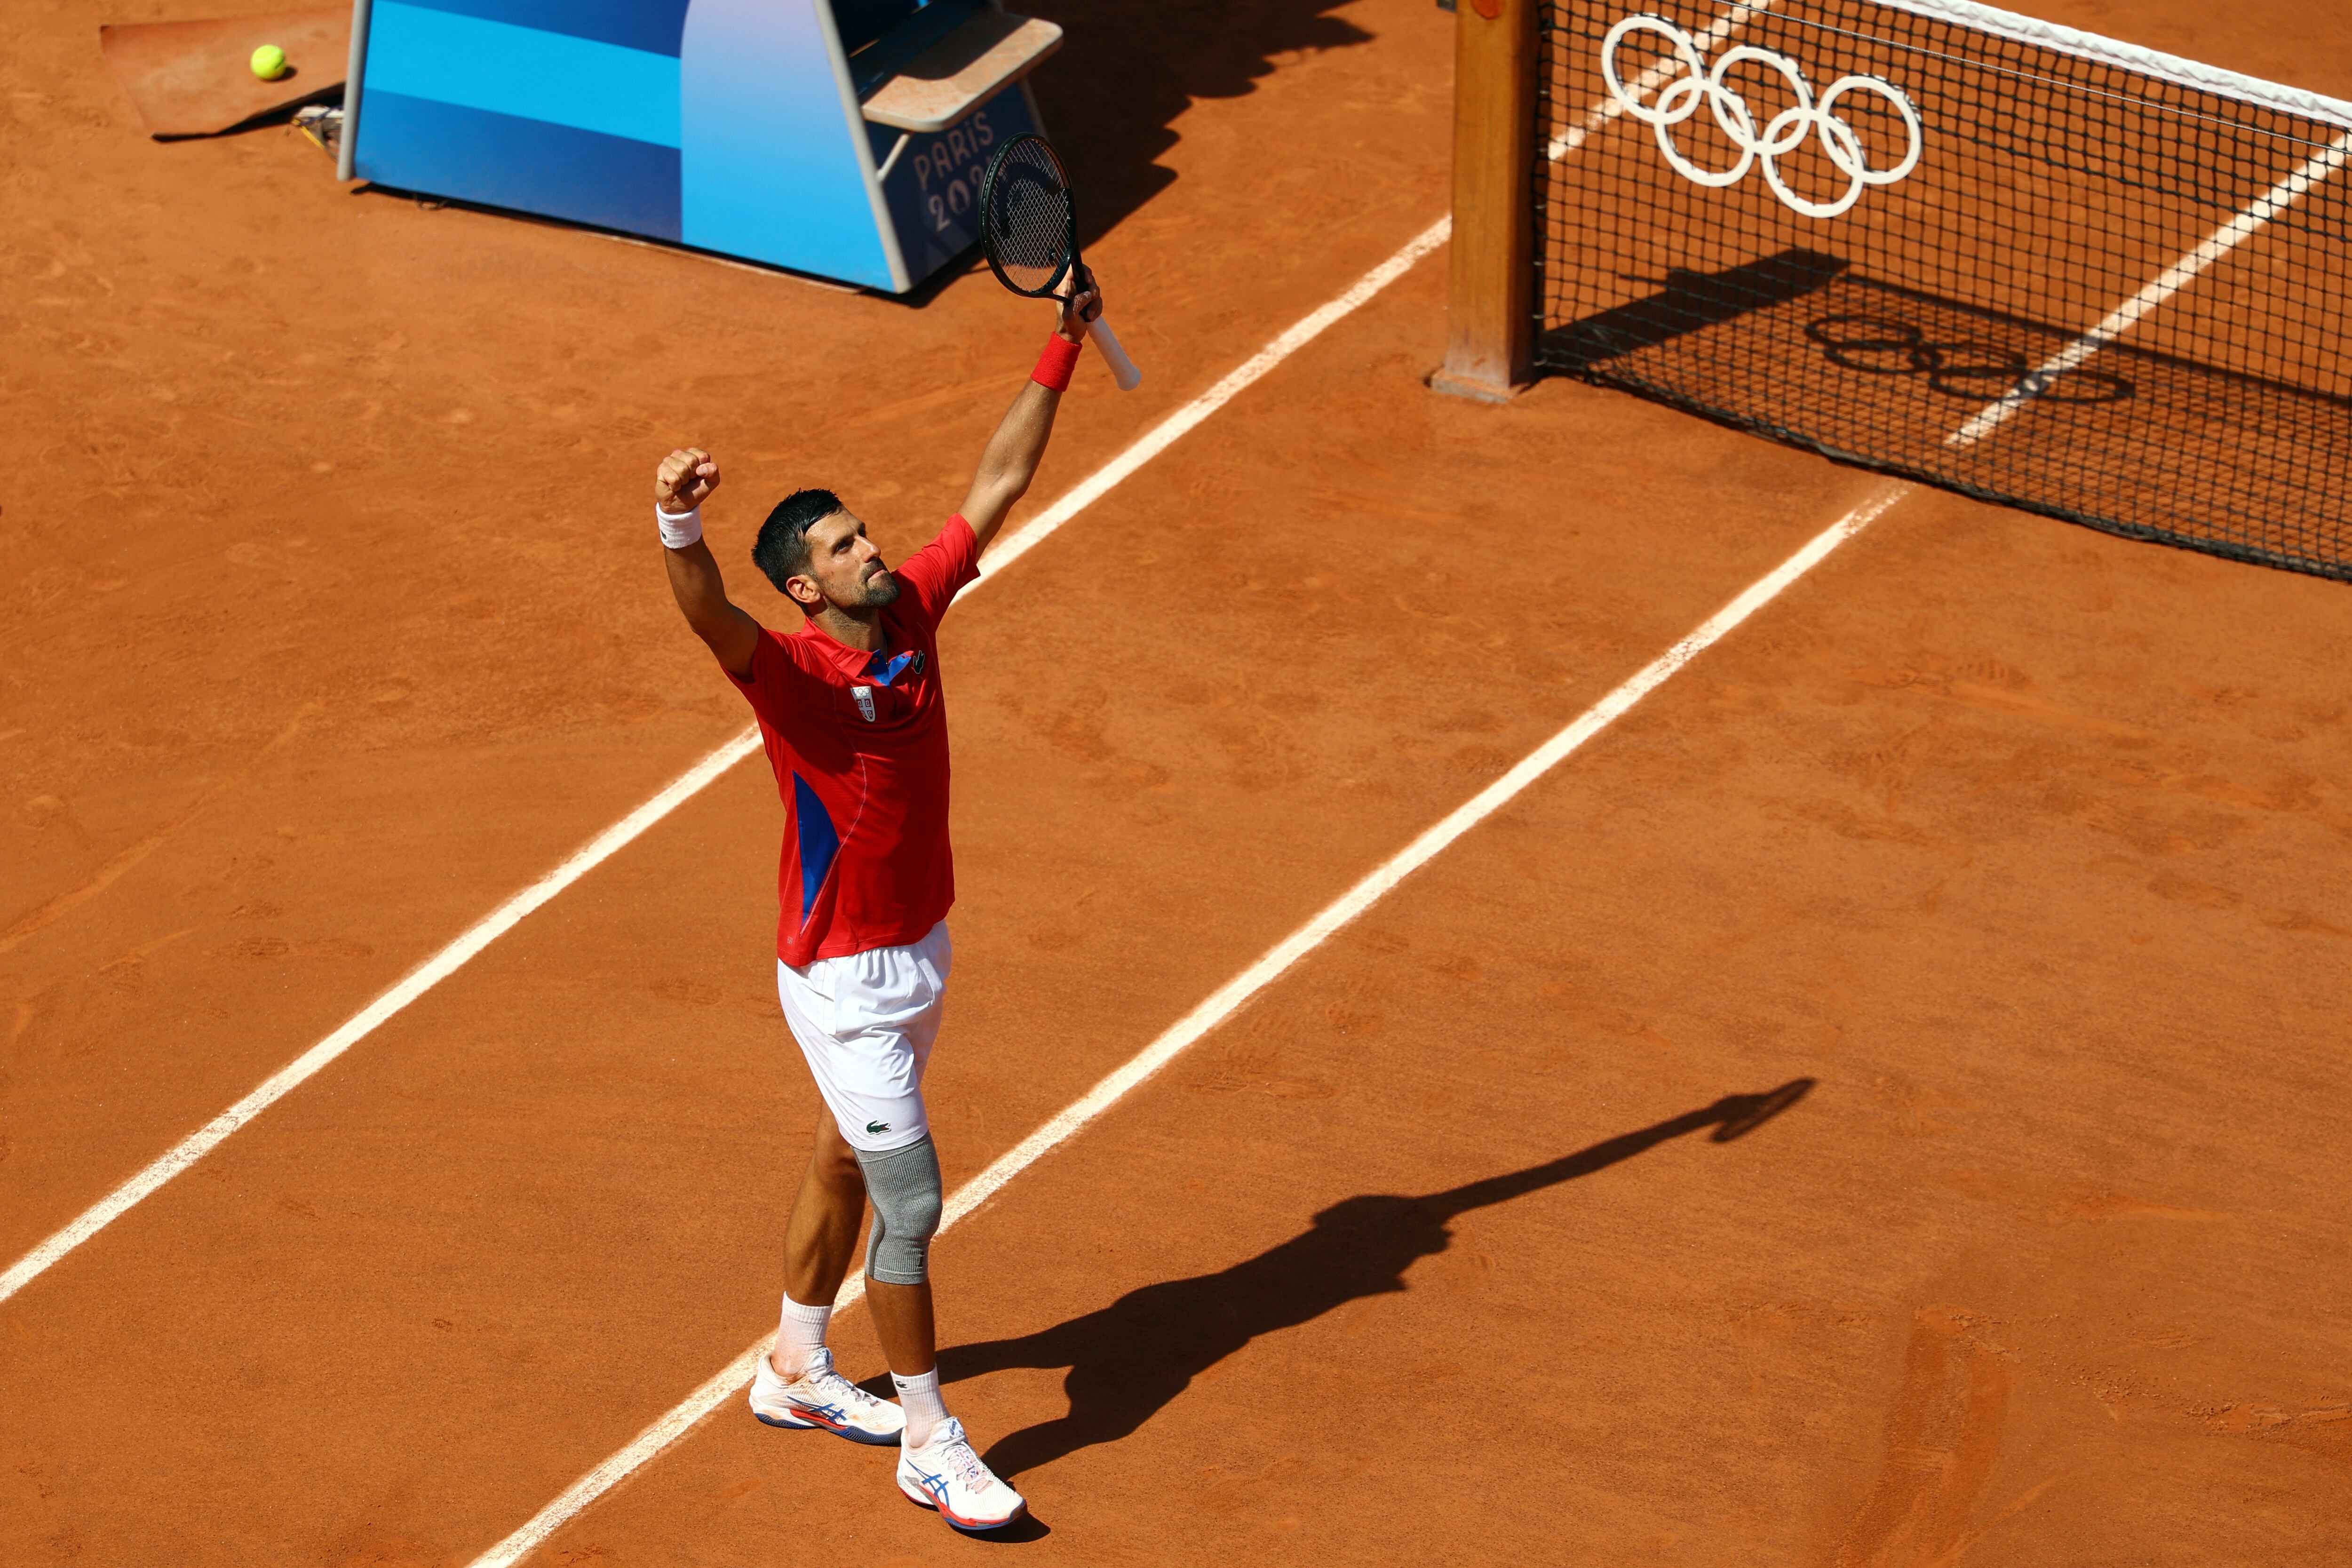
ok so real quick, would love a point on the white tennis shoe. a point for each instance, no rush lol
(945, 1474)
(823, 1398)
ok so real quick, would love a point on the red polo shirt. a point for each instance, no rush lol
(859, 745)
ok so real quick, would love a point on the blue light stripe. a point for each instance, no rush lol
(652, 25)
(521, 71)
(417, 144)
(767, 168)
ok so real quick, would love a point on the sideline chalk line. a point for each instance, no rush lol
(425, 976)
(1009, 547)
(2163, 287)
(1221, 1004)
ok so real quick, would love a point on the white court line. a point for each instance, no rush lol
(425, 976)
(1013, 546)
(2167, 283)
(449, 960)
(1221, 1004)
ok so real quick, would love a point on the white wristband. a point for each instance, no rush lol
(679, 528)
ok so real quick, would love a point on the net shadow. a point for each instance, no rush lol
(1872, 373)
(1690, 301)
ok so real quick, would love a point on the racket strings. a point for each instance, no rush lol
(1028, 218)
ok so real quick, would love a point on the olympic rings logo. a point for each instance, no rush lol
(1784, 133)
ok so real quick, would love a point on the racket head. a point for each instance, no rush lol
(1028, 227)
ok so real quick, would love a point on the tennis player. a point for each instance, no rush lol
(852, 711)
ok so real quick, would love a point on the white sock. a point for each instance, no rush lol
(920, 1398)
(799, 1336)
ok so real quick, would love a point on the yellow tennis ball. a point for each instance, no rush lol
(269, 62)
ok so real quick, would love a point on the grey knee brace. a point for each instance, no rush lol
(904, 1188)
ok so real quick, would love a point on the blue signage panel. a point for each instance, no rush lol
(769, 165)
(502, 161)
(420, 51)
(934, 188)
(653, 26)
(724, 125)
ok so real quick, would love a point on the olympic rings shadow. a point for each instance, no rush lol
(1130, 1360)
(2186, 431)
(1968, 370)
(1967, 354)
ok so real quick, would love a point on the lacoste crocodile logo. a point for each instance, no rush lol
(877, 1127)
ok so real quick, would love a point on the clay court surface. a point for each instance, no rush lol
(2015, 854)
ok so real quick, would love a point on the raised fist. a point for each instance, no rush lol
(685, 479)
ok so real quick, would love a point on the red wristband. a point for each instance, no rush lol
(1054, 367)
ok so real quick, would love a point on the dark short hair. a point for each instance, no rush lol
(781, 550)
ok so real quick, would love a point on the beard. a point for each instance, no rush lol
(878, 590)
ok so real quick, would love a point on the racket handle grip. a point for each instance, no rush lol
(1122, 369)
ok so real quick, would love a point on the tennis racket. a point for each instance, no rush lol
(1029, 228)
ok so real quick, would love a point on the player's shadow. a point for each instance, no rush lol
(1128, 68)
(1132, 1358)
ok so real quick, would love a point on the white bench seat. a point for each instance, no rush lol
(960, 72)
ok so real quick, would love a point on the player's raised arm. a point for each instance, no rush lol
(682, 483)
(1014, 451)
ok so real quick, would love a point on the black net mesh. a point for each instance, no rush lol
(2057, 280)
(1026, 225)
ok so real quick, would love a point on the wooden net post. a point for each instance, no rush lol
(1489, 321)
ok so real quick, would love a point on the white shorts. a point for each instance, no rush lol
(866, 1022)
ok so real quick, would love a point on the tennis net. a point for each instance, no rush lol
(2036, 266)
